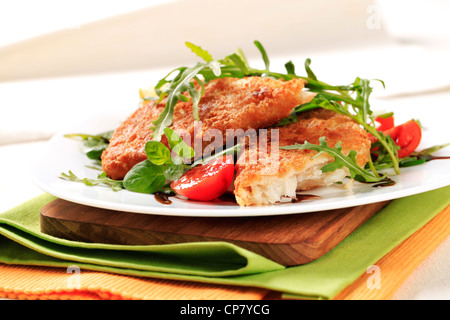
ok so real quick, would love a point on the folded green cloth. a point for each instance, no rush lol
(21, 242)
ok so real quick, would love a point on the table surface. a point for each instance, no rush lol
(431, 280)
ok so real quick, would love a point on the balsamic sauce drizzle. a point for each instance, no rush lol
(437, 158)
(387, 183)
(163, 198)
(303, 197)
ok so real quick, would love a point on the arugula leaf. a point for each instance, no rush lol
(351, 100)
(288, 120)
(93, 145)
(308, 69)
(94, 148)
(263, 54)
(411, 161)
(229, 151)
(429, 151)
(290, 68)
(340, 160)
(360, 113)
(382, 115)
(205, 55)
(102, 179)
(179, 85)
(237, 60)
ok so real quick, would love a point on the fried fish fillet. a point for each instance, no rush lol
(263, 177)
(228, 103)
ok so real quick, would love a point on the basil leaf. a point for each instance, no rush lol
(173, 171)
(177, 144)
(157, 152)
(145, 177)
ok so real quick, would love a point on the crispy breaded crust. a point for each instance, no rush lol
(264, 178)
(228, 103)
(126, 147)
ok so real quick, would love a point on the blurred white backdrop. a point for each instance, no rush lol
(24, 19)
(62, 59)
(70, 40)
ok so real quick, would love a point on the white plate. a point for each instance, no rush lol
(63, 154)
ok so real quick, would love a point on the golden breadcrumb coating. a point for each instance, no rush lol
(228, 103)
(266, 178)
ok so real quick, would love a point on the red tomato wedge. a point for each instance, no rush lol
(407, 136)
(206, 182)
(385, 123)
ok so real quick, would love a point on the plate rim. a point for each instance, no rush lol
(234, 211)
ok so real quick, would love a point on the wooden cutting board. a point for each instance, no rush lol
(290, 240)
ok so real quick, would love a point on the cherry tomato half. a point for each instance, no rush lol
(206, 182)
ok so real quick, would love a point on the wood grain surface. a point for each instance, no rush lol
(290, 240)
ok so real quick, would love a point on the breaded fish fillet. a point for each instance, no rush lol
(228, 103)
(264, 178)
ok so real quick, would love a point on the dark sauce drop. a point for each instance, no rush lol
(304, 197)
(162, 198)
(437, 158)
(384, 183)
(387, 183)
(228, 197)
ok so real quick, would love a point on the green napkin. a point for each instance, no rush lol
(21, 242)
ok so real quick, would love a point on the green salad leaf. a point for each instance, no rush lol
(145, 177)
(351, 99)
(154, 174)
(178, 146)
(93, 145)
(102, 179)
(340, 160)
(187, 84)
(157, 152)
(429, 151)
